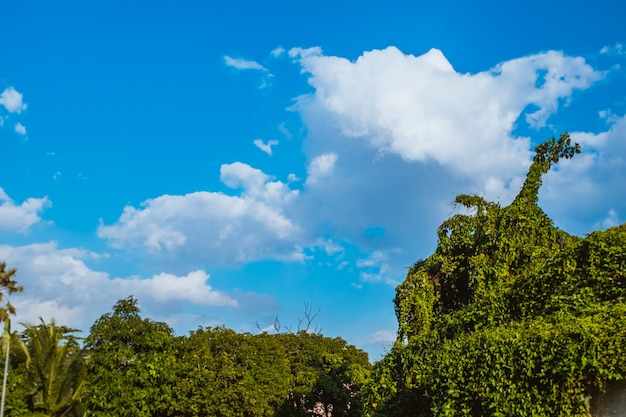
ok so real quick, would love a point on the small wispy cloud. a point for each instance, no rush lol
(329, 246)
(282, 128)
(276, 52)
(375, 258)
(376, 269)
(265, 147)
(240, 64)
(243, 64)
(382, 336)
(617, 49)
(20, 129)
(611, 220)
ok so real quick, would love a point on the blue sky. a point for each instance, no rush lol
(227, 163)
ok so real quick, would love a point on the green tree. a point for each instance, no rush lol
(326, 375)
(131, 364)
(510, 316)
(224, 373)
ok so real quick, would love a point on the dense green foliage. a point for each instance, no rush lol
(224, 373)
(231, 374)
(137, 367)
(130, 366)
(326, 376)
(510, 316)
(133, 366)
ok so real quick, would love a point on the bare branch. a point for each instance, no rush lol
(275, 325)
(309, 317)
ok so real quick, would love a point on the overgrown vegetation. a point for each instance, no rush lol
(509, 317)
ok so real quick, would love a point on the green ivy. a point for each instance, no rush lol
(510, 316)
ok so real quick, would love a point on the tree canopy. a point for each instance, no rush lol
(131, 364)
(138, 367)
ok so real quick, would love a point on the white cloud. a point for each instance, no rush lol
(171, 288)
(12, 100)
(214, 227)
(58, 284)
(20, 129)
(243, 64)
(265, 147)
(421, 109)
(256, 184)
(543, 80)
(19, 218)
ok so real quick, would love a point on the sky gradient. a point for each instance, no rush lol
(228, 163)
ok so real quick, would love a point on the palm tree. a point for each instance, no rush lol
(8, 283)
(56, 371)
(20, 359)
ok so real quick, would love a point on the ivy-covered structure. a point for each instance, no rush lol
(510, 316)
